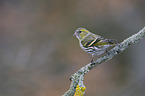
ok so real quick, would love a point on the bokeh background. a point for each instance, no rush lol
(38, 53)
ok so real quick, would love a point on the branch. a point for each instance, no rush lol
(78, 77)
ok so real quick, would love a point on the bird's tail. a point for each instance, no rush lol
(111, 41)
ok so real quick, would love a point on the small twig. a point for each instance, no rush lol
(78, 77)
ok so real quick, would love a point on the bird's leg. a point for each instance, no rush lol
(92, 59)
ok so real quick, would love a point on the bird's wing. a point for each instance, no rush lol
(96, 40)
(104, 42)
(90, 40)
(99, 42)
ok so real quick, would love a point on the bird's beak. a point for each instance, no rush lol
(74, 34)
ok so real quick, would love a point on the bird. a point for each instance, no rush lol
(92, 43)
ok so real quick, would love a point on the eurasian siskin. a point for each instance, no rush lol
(92, 43)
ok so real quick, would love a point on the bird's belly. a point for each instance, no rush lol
(94, 50)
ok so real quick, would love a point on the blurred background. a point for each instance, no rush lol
(38, 53)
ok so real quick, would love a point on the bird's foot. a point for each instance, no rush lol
(92, 60)
(107, 52)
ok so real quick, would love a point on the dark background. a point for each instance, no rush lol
(38, 53)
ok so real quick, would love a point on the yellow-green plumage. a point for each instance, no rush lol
(92, 43)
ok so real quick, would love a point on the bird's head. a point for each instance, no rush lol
(80, 33)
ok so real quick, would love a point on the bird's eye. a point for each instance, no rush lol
(80, 31)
